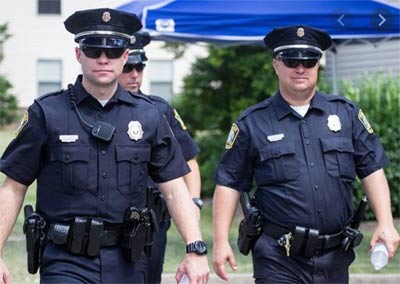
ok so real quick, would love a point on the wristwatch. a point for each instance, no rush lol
(199, 203)
(198, 247)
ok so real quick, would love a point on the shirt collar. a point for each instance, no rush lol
(283, 109)
(120, 95)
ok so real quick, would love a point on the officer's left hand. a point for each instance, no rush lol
(195, 267)
(388, 235)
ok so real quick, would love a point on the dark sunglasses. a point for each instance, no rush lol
(129, 67)
(95, 52)
(293, 63)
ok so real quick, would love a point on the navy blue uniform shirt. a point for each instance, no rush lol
(77, 175)
(303, 167)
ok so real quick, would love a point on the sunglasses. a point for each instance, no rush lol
(293, 63)
(95, 52)
(129, 67)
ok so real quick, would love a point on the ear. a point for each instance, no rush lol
(125, 55)
(78, 54)
(276, 65)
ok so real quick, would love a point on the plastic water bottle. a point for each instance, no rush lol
(379, 256)
(184, 279)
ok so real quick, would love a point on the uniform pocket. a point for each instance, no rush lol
(74, 163)
(278, 163)
(132, 168)
(338, 157)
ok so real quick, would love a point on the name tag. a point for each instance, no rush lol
(68, 138)
(275, 137)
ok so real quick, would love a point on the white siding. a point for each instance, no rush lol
(354, 60)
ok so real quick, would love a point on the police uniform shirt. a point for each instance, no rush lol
(77, 175)
(303, 167)
(188, 146)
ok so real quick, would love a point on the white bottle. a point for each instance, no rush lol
(379, 256)
(184, 279)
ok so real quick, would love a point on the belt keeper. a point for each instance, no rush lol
(312, 243)
(94, 238)
(77, 236)
(298, 240)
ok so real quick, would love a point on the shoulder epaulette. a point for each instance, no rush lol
(50, 94)
(332, 98)
(261, 105)
(142, 96)
(158, 99)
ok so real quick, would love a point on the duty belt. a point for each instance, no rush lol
(301, 240)
(84, 236)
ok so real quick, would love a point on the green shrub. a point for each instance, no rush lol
(379, 98)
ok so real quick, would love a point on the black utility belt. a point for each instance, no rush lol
(84, 236)
(303, 241)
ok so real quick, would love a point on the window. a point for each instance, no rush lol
(161, 74)
(49, 76)
(49, 7)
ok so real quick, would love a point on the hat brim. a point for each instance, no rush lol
(136, 58)
(298, 54)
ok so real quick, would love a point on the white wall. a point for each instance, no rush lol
(44, 36)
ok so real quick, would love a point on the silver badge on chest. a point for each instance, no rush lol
(135, 131)
(334, 123)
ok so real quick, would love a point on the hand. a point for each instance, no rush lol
(5, 277)
(195, 267)
(221, 254)
(388, 235)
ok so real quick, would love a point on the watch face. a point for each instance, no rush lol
(200, 247)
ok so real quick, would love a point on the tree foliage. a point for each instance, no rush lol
(8, 102)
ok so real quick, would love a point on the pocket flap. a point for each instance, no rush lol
(132, 154)
(70, 153)
(277, 149)
(338, 144)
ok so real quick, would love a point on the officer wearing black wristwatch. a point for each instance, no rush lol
(197, 247)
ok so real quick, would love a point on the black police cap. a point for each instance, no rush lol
(103, 22)
(137, 54)
(298, 41)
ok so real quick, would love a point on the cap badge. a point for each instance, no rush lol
(300, 32)
(135, 131)
(106, 17)
(233, 133)
(133, 39)
(334, 123)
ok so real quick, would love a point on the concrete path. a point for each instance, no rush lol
(247, 279)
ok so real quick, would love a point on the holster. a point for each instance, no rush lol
(156, 202)
(138, 236)
(250, 229)
(34, 226)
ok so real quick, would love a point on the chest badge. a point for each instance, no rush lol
(135, 131)
(334, 123)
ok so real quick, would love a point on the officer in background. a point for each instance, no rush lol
(304, 149)
(91, 149)
(131, 79)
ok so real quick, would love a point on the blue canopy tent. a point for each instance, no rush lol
(247, 21)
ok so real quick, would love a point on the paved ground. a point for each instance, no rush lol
(247, 279)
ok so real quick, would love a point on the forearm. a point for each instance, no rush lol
(182, 209)
(12, 195)
(224, 207)
(192, 179)
(377, 189)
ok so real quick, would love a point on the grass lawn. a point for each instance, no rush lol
(15, 257)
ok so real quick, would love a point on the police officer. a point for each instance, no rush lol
(131, 79)
(304, 149)
(91, 149)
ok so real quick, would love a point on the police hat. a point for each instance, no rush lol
(103, 27)
(137, 54)
(298, 42)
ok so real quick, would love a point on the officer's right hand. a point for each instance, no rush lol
(223, 253)
(5, 277)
